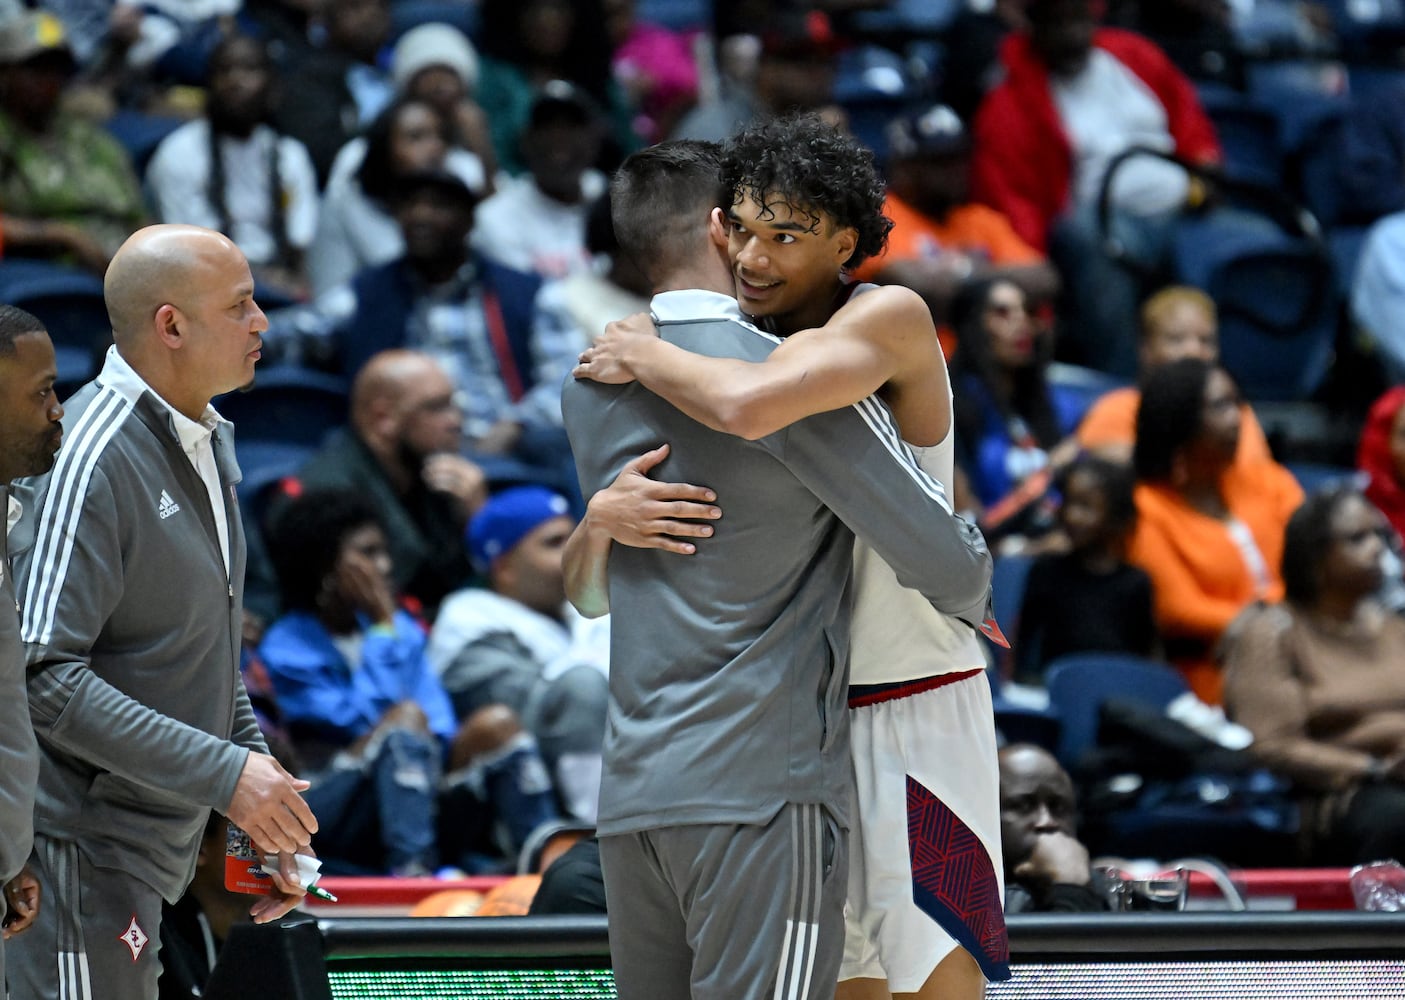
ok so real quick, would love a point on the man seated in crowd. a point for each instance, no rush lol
(1046, 867)
(370, 718)
(536, 222)
(521, 644)
(473, 316)
(230, 171)
(1075, 97)
(940, 238)
(339, 87)
(402, 451)
(68, 188)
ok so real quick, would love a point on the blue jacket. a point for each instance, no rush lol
(320, 696)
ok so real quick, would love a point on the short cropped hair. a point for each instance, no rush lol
(15, 322)
(1163, 303)
(814, 168)
(661, 198)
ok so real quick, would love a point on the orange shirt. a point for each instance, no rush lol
(1199, 576)
(1112, 420)
(978, 230)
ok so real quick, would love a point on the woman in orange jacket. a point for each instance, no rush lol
(1209, 529)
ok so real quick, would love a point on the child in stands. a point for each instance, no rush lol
(1088, 598)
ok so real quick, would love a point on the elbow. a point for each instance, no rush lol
(743, 416)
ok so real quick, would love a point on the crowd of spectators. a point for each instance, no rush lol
(423, 203)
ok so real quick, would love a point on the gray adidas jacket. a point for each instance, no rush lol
(19, 757)
(729, 667)
(132, 629)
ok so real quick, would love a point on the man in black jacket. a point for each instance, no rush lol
(1046, 867)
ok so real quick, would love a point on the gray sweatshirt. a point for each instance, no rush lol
(131, 628)
(19, 757)
(729, 667)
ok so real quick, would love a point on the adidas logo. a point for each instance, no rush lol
(167, 506)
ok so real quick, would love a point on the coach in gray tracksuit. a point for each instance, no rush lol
(131, 574)
(30, 435)
(726, 747)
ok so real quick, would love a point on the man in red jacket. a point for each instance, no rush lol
(1074, 97)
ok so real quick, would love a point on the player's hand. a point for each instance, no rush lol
(268, 806)
(647, 514)
(22, 894)
(607, 360)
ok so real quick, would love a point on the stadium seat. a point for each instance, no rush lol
(1078, 684)
(69, 302)
(1248, 134)
(407, 14)
(140, 133)
(286, 405)
(680, 15)
(1277, 301)
(1010, 573)
(1315, 475)
(1075, 389)
(906, 18)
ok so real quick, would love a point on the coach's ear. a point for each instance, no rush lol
(717, 227)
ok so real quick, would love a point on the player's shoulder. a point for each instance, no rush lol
(894, 303)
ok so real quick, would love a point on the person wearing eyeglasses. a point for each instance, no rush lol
(1319, 679)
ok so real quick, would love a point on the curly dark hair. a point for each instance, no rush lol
(306, 536)
(803, 162)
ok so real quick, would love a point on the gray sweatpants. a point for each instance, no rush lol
(97, 935)
(728, 912)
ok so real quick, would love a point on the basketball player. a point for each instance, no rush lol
(924, 913)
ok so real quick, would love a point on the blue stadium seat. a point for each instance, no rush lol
(1075, 389)
(287, 406)
(905, 18)
(680, 15)
(407, 14)
(1299, 93)
(1010, 574)
(140, 133)
(1079, 683)
(1248, 133)
(1315, 475)
(69, 302)
(1277, 300)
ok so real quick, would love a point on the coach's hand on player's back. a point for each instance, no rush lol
(269, 807)
(649, 514)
